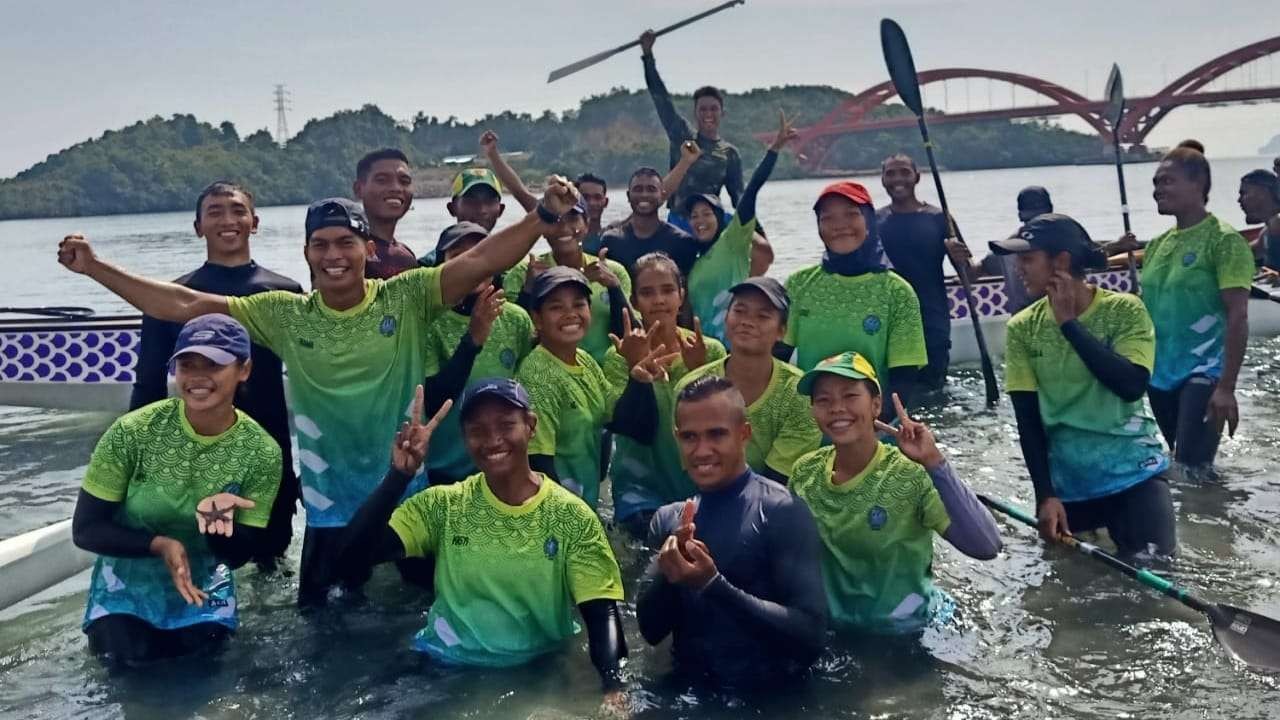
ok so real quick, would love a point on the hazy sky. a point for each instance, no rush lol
(75, 69)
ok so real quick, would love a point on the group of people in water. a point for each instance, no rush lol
(459, 413)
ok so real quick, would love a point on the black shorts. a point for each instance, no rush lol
(1180, 413)
(126, 641)
(1139, 519)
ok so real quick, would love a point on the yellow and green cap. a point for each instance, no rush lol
(846, 364)
(474, 177)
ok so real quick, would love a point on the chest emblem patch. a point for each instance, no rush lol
(1189, 259)
(388, 326)
(877, 517)
(871, 324)
(508, 358)
(551, 548)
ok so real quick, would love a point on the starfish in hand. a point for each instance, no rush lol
(216, 514)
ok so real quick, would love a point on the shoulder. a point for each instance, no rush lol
(790, 374)
(1114, 300)
(777, 502)
(1028, 317)
(615, 233)
(275, 281)
(673, 232)
(884, 213)
(810, 468)
(253, 436)
(897, 287)
(802, 277)
(904, 471)
(160, 411)
(715, 367)
(513, 314)
(930, 209)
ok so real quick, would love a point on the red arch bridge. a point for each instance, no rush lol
(1142, 114)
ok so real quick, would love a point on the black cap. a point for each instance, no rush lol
(505, 389)
(1053, 233)
(1034, 197)
(546, 282)
(337, 212)
(456, 233)
(708, 198)
(772, 289)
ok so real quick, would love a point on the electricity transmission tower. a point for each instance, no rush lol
(283, 104)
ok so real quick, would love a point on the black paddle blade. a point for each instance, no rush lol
(1251, 638)
(902, 69)
(1115, 96)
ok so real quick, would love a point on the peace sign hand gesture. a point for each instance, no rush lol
(653, 366)
(786, 132)
(915, 440)
(693, 350)
(633, 346)
(410, 445)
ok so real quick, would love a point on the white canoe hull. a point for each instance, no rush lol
(37, 560)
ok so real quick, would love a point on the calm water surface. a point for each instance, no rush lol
(1039, 633)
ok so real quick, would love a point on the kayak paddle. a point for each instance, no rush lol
(902, 70)
(60, 311)
(1115, 113)
(601, 57)
(1248, 637)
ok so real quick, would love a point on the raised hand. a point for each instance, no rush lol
(560, 195)
(532, 271)
(488, 307)
(786, 132)
(75, 253)
(488, 143)
(599, 272)
(633, 346)
(410, 445)
(215, 515)
(646, 42)
(689, 152)
(693, 350)
(174, 554)
(689, 563)
(915, 440)
(1062, 299)
(653, 367)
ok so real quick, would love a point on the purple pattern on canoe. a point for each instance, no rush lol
(86, 356)
(990, 298)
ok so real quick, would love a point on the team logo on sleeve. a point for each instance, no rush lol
(1189, 259)
(871, 324)
(508, 358)
(551, 548)
(388, 326)
(877, 517)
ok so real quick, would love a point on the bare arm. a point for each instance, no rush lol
(1222, 404)
(689, 154)
(160, 300)
(507, 175)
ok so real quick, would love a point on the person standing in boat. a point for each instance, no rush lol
(719, 165)
(1077, 363)
(177, 493)
(225, 218)
(735, 579)
(1260, 201)
(1195, 283)
(914, 234)
(781, 428)
(1033, 200)
(877, 506)
(851, 301)
(384, 187)
(355, 348)
(514, 552)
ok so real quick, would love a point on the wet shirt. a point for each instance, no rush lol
(1183, 272)
(597, 342)
(262, 396)
(646, 477)
(510, 340)
(1099, 443)
(725, 264)
(782, 429)
(352, 375)
(154, 464)
(877, 539)
(625, 248)
(874, 314)
(718, 166)
(915, 243)
(507, 577)
(573, 403)
(391, 257)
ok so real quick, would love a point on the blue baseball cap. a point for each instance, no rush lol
(215, 336)
(504, 389)
(337, 212)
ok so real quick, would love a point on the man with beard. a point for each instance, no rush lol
(646, 232)
(385, 187)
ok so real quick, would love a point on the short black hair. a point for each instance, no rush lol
(1264, 179)
(708, 91)
(708, 386)
(587, 177)
(644, 171)
(1192, 163)
(221, 188)
(1193, 144)
(657, 260)
(366, 163)
(900, 156)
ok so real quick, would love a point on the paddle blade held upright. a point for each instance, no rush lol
(902, 67)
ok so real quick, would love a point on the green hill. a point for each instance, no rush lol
(161, 164)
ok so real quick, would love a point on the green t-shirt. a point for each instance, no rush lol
(646, 477)
(1183, 273)
(573, 403)
(726, 264)
(782, 429)
(154, 464)
(877, 538)
(597, 341)
(351, 379)
(1099, 444)
(510, 340)
(507, 577)
(875, 315)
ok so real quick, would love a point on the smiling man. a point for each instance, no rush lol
(355, 348)
(384, 186)
(646, 232)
